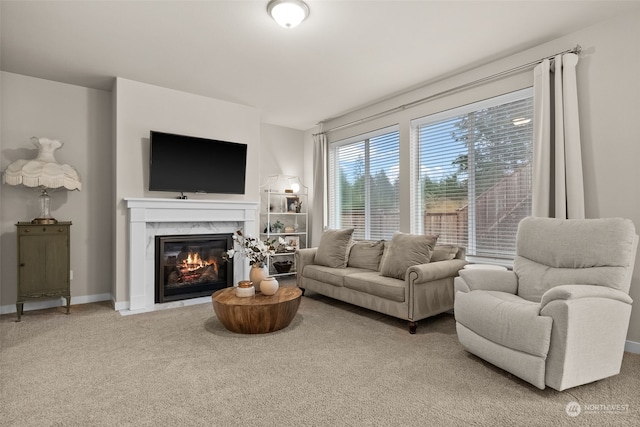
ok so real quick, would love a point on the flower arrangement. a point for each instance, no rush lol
(254, 249)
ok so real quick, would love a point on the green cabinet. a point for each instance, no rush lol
(43, 262)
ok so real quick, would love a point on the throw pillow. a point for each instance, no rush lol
(366, 254)
(333, 248)
(406, 250)
(444, 253)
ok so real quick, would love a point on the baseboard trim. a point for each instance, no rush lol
(56, 302)
(632, 347)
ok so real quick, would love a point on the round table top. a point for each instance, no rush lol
(227, 296)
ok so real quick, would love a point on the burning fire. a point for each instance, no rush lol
(193, 262)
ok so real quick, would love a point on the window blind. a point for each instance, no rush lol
(472, 183)
(363, 184)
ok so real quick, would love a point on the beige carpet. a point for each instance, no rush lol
(334, 365)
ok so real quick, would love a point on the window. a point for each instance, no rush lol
(363, 184)
(471, 180)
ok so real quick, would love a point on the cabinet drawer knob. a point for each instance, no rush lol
(22, 264)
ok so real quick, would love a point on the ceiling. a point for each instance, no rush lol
(347, 54)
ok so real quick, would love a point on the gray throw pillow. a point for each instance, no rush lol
(444, 253)
(366, 254)
(334, 248)
(406, 250)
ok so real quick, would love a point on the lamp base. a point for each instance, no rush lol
(44, 221)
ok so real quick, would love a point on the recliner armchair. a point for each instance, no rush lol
(560, 318)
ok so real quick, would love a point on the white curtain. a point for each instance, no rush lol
(320, 207)
(558, 190)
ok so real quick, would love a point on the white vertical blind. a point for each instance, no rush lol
(363, 191)
(472, 182)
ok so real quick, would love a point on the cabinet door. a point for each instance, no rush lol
(44, 264)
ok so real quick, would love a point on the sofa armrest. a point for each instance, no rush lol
(487, 280)
(574, 292)
(423, 273)
(303, 257)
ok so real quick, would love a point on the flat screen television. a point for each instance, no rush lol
(188, 164)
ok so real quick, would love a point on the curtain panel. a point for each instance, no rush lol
(319, 218)
(558, 189)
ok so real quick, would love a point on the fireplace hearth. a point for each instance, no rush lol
(191, 266)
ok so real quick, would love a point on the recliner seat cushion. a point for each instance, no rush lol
(535, 279)
(505, 319)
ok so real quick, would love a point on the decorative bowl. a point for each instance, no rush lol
(282, 266)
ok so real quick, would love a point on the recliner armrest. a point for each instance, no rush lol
(488, 280)
(574, 292)
(423, 273)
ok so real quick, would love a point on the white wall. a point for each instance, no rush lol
(81, 119)
(609, 97)
(141, 107)
(281, 152)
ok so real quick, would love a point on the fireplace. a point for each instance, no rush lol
(191, 266)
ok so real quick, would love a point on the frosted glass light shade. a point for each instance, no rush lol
(288, 13)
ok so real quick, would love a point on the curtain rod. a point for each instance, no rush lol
(575, 50)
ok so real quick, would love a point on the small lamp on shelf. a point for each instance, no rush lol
(43, 172)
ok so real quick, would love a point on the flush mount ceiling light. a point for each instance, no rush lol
(288, 13)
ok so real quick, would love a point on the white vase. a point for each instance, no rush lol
(269, 285)
(257, 274)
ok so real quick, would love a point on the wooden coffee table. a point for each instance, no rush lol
(258, 314)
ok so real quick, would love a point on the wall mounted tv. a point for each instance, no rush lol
(187, 164)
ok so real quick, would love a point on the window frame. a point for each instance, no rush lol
(334, 195)
(416, 199)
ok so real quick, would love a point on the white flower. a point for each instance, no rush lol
(281, 241)
(231, 252)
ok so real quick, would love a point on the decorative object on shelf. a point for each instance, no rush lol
(289, 229)
(277, 227)
(257, 273)
(283, 267)
(269, 285)
(293, 204)
(292, 242)
(245, 289)
(44, 172)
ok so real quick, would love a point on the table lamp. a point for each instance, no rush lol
(43, 172)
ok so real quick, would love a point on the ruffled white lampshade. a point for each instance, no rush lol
(44, 170)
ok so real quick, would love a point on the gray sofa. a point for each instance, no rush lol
(426, 290)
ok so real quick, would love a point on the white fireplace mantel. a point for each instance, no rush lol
(150, 217)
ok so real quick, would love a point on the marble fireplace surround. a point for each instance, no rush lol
(153, 217)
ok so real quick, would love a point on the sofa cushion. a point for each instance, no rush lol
(330, 275)
(366, 254)
(333, 248)
(406, 250)
(505, 319)
(444, 253)
(372, 283)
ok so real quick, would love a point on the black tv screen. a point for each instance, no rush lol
(188, 164)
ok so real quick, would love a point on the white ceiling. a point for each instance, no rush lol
(345, 55)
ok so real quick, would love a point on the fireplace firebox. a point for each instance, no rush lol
(191, 266)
